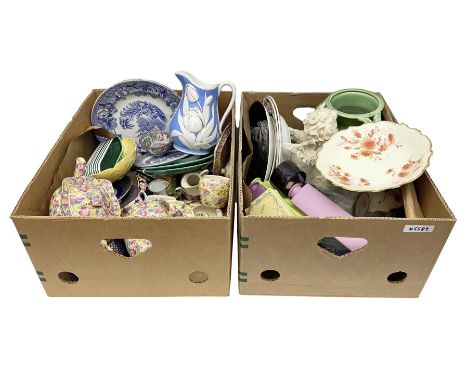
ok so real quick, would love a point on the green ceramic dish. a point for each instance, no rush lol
(177, 170)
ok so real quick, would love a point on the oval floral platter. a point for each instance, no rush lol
(374, 156)
(133, 107)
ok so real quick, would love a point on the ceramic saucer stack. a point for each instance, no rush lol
(173, 163)
(280, 129)
(273, 119)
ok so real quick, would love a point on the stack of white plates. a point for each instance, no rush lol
(278, 131)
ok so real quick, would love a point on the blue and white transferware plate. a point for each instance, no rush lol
(132, 107)
(148, 160)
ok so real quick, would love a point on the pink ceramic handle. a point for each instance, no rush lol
(313, 203)
(79, 167)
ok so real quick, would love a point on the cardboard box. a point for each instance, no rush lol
(189, 257)
(280, 256)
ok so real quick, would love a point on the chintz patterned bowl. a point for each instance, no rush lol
(156, 142)
(374, 156)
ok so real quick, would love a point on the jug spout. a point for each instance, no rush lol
(188, 78)
(182, 78)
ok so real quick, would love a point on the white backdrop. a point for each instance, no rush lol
(52, 54)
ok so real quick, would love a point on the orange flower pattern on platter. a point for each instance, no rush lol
(408, 169)
(345, 178)
(368, 145)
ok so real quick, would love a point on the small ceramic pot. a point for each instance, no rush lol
(214, 190)
(156, 142)
(354, 107)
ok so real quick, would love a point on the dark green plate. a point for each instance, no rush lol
(175, 171)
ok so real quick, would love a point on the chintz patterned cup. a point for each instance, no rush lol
(214, 190)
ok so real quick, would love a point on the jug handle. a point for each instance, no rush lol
(376, 118)
(231, 103)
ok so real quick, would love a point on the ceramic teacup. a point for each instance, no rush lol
(190, 183)
(162, 185)
(214, 191)
(354, 107)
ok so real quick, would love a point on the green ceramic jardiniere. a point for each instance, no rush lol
(354, 107)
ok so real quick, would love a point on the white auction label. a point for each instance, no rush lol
(419, 228)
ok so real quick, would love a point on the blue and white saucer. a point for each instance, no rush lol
(132, 107)
(148, 160)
